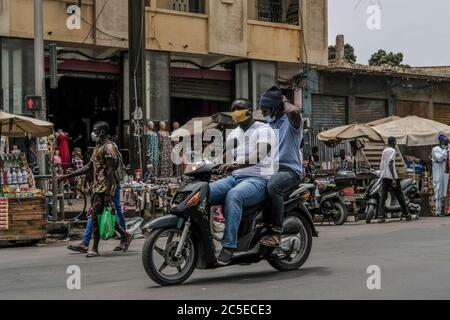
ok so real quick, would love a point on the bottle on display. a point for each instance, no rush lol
(13, 177)
(19, 177)
(8, 177)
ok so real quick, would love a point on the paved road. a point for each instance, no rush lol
(414, 259)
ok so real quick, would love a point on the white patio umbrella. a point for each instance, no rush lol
(413, 131)
(13, 125)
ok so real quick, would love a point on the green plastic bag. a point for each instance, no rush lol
(106, 224)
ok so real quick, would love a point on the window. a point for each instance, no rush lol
(196, 6)
(278, 11)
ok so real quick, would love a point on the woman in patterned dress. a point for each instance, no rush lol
(165, 147)
(152, 140)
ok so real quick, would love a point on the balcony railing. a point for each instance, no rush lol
(193, 6)
(277, 11)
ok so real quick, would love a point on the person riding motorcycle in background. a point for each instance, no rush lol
(251, 170)
(287, 120)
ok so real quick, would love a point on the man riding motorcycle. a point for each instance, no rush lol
(251, 169)
(287, 120)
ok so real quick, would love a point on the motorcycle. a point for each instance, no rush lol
(182, 240)
(393, 208)
(326, 198)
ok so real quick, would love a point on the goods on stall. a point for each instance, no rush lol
(16, 179)
(150, 197)
(4, 216)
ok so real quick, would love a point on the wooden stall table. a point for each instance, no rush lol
(26, 219)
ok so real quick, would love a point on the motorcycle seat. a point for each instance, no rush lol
(406, 183)
(301, 189)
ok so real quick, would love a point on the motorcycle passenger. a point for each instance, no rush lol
(252, 168)
(390, 181)
(286, 119)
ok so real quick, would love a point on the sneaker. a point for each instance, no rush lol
(381, 220)
(225, 257)
(408, 218)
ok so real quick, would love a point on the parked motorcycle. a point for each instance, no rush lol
(182, 241)
(326, 197)
(393, 208)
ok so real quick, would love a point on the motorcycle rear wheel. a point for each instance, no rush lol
(153, 244)
(342, 212)
(294, 263)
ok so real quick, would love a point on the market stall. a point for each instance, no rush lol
(416, 136)
(22, 205)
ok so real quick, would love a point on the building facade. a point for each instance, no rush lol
(339, 95)
(200, 54)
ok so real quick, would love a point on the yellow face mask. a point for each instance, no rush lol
(240, 116)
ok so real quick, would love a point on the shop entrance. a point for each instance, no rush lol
(78, 103)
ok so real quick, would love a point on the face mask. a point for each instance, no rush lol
(270, 119)
(240, 116)
(94, 137)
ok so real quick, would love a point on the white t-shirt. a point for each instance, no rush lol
(247, 141)
(388, 156)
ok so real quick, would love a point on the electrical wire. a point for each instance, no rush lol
(95, 22)
(100, 30)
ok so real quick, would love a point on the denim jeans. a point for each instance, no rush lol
(237, 193)
(283, 181)
(119, 214)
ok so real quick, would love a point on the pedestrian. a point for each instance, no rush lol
(390, 181)
(440, 178)
(106, 165)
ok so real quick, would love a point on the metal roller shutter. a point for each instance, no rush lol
(367, 110)
(217, 90)
(405, 108)
(442, 113)
(328, 111)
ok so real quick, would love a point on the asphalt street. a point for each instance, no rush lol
(414, 260)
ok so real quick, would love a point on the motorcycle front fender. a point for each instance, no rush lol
(165, 222)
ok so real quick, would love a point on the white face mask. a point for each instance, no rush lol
(94, 137)
(269, 119)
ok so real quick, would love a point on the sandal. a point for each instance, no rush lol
(126, 243)
(271, 241)
(92, 254)
(81, 248)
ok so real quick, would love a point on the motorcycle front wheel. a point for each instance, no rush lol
(370, 214)
(160, 262)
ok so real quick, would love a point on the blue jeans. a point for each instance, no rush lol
(119, 213)
(237, 193)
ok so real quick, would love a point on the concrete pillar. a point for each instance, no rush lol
(158, 86)
(263, 75)
(340, 49)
